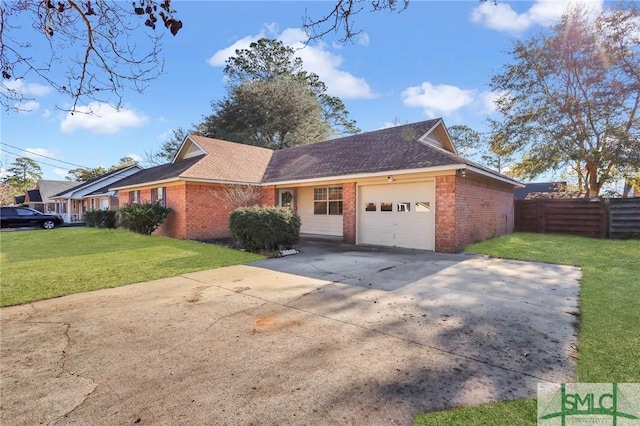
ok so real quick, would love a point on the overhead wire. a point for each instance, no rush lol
(37, 161)
(44, 156)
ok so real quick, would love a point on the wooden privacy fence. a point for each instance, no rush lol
(624, 217)
(612, 218)
(565, 216)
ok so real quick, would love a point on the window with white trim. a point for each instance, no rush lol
(327, 200)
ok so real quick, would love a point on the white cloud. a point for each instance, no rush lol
(38, 152)
(502, 17)
(46, 113)
(218, 59)
(60, 173)
(441, 99)
(165, 136)
(363, 39)
(316, 58)
(27, 89)
(487, 101)
(101, 118)
(27, 107)
(135, 157)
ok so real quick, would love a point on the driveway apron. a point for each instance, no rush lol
(336, 334)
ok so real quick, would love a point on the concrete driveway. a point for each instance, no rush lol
(333, 335)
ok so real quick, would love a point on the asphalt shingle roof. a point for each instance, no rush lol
(395, 148)
(229, 161)
(158, 173)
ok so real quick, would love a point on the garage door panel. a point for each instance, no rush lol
(411, 221)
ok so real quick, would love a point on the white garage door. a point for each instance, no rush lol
(400, 215)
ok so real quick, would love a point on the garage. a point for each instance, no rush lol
(397, 214)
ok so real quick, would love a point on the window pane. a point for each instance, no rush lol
(335, 207)
(320, 207)
(154, 195)
(370, 207)
(422, 207)
(403, 207)
(335, 193)
(386, 207)
(319, 194)
(25, 212)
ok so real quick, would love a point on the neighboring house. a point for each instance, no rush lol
(403, 186)
(538, 187)
(19, 199)
(41, 199)
(93, 194)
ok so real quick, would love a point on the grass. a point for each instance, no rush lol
(36, 265)
(608, 338)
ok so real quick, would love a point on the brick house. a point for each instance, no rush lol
(403, 186)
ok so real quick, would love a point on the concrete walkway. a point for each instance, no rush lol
(333, 335)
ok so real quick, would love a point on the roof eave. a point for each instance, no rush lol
(496, 176)
(353, 176)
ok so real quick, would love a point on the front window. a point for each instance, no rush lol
(134, 197)
(327, 200)
(158, 194)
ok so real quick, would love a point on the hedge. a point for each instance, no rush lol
(260, 229)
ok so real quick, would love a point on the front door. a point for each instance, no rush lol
(286, 198)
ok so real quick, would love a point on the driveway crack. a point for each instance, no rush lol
(62, 365)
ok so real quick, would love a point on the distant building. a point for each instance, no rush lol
(540, 188)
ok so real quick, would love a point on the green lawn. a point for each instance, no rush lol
(36, 265)
(608, 337)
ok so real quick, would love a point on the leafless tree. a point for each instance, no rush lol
(233, 196)
(100, 47)
(341, 18)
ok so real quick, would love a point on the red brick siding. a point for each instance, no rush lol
(471, 209)
(269, 196)
(175, 224)
(207, 217)
(484, 209)
(445, 214)
(349, 212)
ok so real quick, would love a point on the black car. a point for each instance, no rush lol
(16, 217)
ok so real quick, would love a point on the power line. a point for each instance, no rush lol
(44, 156)
(37, 161)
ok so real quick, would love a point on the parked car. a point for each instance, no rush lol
(16, 217)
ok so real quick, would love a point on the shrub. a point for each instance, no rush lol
(143, 218)
(264, 228)
(101, 218)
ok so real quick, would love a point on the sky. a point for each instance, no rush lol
(434, 59)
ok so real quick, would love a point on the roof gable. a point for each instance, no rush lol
(84, 188)
(49, 188)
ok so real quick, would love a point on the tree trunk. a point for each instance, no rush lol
(594, 185)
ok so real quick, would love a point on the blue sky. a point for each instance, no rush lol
(435, 59)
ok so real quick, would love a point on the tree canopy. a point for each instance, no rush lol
(571, 98)
(22, 175)
(82, 174)
(272, 102)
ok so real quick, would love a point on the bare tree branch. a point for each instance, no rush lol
(103, 44)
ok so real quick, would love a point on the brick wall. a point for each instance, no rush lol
(349, 212)
(471, 209)
(175, 224)
(445, 214)
(207, 216)
(484, 209)
(269, 196)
